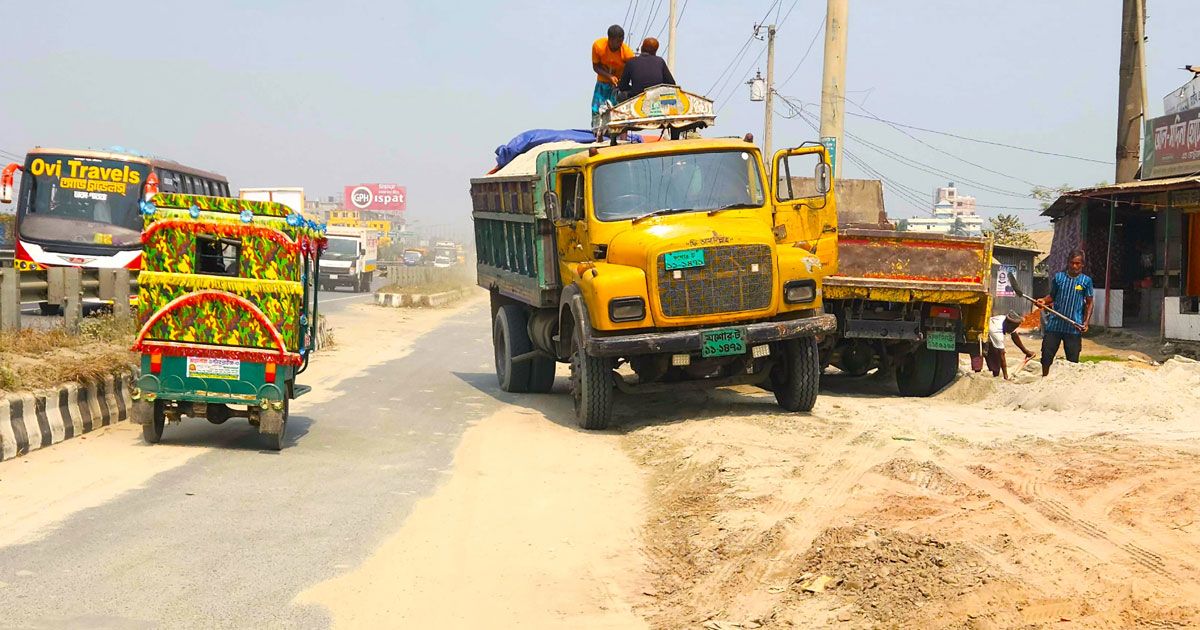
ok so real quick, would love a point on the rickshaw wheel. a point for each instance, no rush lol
(152, 432)
(274, 441)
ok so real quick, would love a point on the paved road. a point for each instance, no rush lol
(233, 535)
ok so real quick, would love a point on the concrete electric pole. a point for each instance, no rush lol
(1130, 90)
(833, 85)
(671, 38)
(768, 123)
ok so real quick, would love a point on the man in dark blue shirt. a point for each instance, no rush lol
(644, 71)
(1071, 295)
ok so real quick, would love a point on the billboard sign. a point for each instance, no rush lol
(1171, 145)
(376, 197)
(1004, 281)
(1184, 98)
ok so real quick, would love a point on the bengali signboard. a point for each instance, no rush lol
(376, 197)
(1172, 145)
(1184, 98)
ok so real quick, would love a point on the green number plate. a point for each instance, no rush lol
(684, 260)
(723, 343)
(940, 340)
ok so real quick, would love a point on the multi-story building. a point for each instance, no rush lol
(952, 213)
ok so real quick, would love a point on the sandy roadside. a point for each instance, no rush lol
(48, 485)
(1068, 501)
(537, 527)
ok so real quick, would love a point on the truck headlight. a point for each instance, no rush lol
(799, 291)
(627, 309)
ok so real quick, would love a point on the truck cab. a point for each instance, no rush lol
(351, 258)
(661, 265)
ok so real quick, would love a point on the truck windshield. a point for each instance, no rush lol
(70, 199)
(687, 181)
(342, 247)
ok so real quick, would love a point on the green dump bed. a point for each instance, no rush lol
(514, 239)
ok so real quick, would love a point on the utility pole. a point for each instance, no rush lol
(671, 38)
(1130, 90)
(769, 100)
(833, 85)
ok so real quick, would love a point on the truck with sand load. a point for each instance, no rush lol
(652, 266)
(906, 302)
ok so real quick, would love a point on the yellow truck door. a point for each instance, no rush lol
(805, 208)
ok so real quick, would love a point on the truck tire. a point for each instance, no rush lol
(592, 387)
(919, 373)
(152, 427)
(510, 338)
(796, 378)
(946, 370)
(541, 375)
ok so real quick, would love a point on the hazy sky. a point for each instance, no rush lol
(322, 94)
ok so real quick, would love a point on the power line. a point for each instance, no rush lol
(650, 17)
(732, 61)
(632, 19)
(961, 159)
(667, 22)
(969, 139)
(812, 43)
(625, 21)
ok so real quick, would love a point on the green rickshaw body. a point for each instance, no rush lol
(227, 298)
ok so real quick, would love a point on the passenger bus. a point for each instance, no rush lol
(82, 208)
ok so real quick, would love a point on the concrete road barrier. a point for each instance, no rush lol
(434, 300)
(29, 421)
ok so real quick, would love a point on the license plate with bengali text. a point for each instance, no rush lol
(685, 259)
(723, 343)
(333, 276)
(940, 340)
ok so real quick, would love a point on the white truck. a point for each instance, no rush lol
(350, 259)
(290, 197)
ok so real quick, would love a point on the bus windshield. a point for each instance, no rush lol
(69, 199)
(681, 182)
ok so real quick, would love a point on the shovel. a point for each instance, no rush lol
(1012, 282)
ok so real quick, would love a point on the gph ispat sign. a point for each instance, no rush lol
(376, 197)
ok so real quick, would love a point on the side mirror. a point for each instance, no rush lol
(553, 209)
(824, 176)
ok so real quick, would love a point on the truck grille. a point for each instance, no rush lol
(727, 283)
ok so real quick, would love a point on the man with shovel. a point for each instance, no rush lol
(1068, 311)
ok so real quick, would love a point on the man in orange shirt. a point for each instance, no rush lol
(609, 55)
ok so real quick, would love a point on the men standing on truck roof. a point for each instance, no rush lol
(998, 327)
(1071, 295)
(644, 71)
(609, 55)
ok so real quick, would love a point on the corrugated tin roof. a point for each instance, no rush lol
(1080, 196)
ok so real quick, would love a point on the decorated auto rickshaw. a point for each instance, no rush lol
(227, 297)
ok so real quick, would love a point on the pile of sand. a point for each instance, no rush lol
(1109, 388)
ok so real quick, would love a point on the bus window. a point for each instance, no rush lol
(207, 190)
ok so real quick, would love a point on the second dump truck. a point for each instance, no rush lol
(677, 264)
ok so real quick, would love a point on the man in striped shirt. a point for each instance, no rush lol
(1071, 295)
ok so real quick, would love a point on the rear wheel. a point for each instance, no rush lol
(541, 375)
(796, 377)
(272, 426)
(924, 372)
(592, 387)
(152, 427)
(510, 338)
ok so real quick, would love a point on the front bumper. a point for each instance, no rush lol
(692, 340)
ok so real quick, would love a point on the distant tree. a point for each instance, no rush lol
(902, 225)
(1009, 229)
(959, 228)
(1046, 195)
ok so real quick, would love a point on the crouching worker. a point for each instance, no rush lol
(998, 327)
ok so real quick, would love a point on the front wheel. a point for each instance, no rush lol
(592, 387)
(796, 377)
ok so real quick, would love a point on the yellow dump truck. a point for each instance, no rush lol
(654, 266)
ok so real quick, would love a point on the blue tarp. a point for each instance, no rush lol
(532, 138)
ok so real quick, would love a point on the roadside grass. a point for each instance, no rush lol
(1097, 358)
(36, 359)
